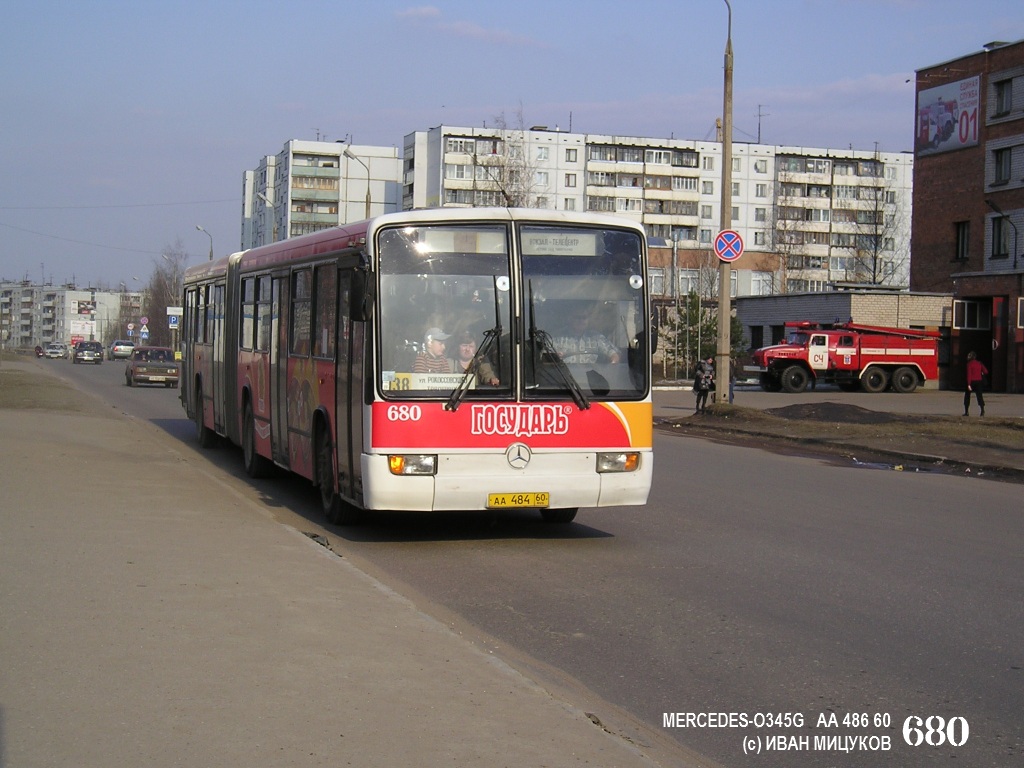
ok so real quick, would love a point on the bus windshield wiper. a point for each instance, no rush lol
(542, 339)
(491, 338)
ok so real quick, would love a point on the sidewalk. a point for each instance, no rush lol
(170, 621)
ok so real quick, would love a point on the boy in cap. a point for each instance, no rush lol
(432, 359)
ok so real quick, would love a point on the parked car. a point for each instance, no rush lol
(88, 352)
(151, 365)
(56, 350)
(120, 350)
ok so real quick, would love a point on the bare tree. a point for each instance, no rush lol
(508, 169)
(164, 290)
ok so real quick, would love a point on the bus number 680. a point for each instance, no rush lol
(404, 413)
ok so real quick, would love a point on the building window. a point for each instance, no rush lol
(1004, 98)
(761, 190)
(570, 179)
(656, 275)
(963, 240)
(708, 163)
(705, 235)
(542, 153)
(705, 211)
(736, 166)
(686, 183)
(570, 155)
(1002, 166)
(658, 156)
(735, 213)
(760, 166)
(1020, 312)
(569, 204)
(541, 178)
(735, 189)
(970, 315)
(759, 238)
(760, 214)
(707, 188)
(1000, 237)
(761, 283)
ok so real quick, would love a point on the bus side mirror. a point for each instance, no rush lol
(361, 294)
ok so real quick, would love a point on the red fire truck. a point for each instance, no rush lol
(849, 355)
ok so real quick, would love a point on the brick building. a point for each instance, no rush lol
(968, 205)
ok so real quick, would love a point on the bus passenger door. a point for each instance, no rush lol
(348, 398)
(217, 370)
(279, 371)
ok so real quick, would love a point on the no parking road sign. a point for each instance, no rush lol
(728, 245)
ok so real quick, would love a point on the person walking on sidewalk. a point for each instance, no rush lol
(976, 373)
(703, 383)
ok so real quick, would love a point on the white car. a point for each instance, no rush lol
(56, 350)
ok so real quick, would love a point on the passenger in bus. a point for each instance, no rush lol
(432, 359)
(465, 352)
(580, 344)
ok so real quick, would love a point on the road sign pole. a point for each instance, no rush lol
(724, 271)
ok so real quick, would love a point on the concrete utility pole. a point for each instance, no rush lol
(724, 271)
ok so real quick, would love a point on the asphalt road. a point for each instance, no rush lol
(751, 583)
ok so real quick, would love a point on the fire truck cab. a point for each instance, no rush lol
(849, 355)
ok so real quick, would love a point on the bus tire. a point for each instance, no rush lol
(904, 380)
(795, 379)
(874, 379)
(336, 510)
(256, 465)
(559, 515)
(204, 435)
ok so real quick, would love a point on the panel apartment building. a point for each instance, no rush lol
(811, 219)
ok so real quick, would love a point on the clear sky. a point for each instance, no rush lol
(125, 123)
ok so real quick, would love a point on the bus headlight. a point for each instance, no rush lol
(412, 464)
(628, 461)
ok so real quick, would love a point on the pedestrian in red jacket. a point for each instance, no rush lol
(976, 373)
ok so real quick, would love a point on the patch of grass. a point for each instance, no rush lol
(21, 388)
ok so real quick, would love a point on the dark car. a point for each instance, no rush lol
(88, 352)
(151, 365)
(120, 349)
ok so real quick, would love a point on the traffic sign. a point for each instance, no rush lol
(144, 320)
(728, 245)
(172, 322)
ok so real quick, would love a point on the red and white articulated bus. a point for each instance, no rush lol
(336, 356)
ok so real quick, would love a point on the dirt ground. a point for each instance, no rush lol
(984, 447)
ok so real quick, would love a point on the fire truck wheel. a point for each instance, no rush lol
(795, 379)
(904, 380)
(874, 379)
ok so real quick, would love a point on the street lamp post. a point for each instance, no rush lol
(209, 236)
(724, 270)
(352, 156)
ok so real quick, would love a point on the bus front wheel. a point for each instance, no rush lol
(256, 466)
(336, 510)
(204, 435)
(558, 515)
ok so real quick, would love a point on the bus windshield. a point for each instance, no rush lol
(447, 329)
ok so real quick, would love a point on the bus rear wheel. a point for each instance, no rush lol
(559, 515)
